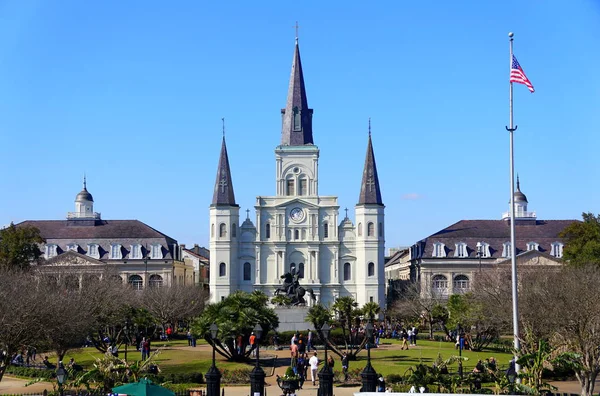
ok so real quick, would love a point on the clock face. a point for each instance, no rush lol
(296, 214)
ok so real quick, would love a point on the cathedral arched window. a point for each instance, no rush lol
(212, 230)
(380, 230)
(290, 187)
(296, 234)
(370, 229)
(347, 272)
(222, 269)
(371, 269)
(267, 230)
(325, 230)
(233, 230)
(301, 270)
(247, 271)
(302, 187)
(297, 119)
(359, 229)
(222, 230)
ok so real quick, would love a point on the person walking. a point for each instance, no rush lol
(294, 357)
(314, 366)
(309, 344)
(252, 341)
(404, 336)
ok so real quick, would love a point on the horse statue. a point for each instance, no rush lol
(291, 288)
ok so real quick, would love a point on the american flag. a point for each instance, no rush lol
(517, 75)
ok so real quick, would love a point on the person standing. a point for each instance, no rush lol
(314, 366)
(345, 366)
(309, 341)
(252, 341)
(294, 357)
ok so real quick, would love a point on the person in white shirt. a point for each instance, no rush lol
(410, 336)
(314, 366)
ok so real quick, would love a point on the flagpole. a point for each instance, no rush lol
(511, 129)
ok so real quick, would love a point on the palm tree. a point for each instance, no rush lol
(371, 310)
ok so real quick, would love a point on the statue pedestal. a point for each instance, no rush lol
(292, 319)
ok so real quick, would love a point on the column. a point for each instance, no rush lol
(317, 273)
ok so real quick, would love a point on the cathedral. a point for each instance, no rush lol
(298, 229)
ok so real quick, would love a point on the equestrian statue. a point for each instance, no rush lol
(292, 289)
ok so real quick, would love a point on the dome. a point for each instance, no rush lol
(84, 195)
(520, 197)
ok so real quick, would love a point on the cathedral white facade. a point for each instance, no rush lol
(298, 228)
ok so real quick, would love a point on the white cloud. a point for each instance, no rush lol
(411, 196)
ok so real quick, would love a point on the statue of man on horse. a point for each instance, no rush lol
(291, 287)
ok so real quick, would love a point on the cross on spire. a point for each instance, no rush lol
(223, 184)
(223, 120)
(296, 27)
(369, 126)
(248, 214)
(346, 212)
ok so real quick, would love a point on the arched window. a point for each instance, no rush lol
(247, 271)
(136, 282)
(371, 269)
(370, 229)
(296, 234)
(267, 230)
(380, 230)
(440, 284)
(325, 230)
(301, 270)
(233, 230)
(347, 272)
(156, 281)
(222, 269)
(461, 284)
(303, 187)
(212, 230)
(222, 230)
(359, 229)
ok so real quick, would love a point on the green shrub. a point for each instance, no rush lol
(177, 378)
(394, 379)
(237, 376)
(30, 372)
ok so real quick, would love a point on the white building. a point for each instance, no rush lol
(298, 228)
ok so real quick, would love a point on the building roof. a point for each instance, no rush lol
(370, 192)
(519, 196)
(293, 133)
(397, 257)
(495, 233)
(223, 193)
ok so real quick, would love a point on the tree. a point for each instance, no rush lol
(371, 310)
(173, 304)
(413, 305)
(236, 316)
(22, 314)
(318, 315)
(19, 246)
(583, 241)
(464, 309)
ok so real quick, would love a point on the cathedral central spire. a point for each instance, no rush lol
(370, 192)
(223, 193)
(297, 117)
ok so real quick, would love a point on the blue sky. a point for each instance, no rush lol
(132, 93)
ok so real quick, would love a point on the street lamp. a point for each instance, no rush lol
(127, 333)
(461, 340)
(61, 376)
(479, 253)
(257, 375)
(213, 376)
(368, 375)
(325, 375)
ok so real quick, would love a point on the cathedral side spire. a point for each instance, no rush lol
(370, 192)
(223, 193)
(297, 117)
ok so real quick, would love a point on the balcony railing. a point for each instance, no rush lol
(520, 215)
(79, 215)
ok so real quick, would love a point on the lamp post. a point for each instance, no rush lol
(257, 375)
(368, 375)
(213, 376)
(479, 253)
(325, 375)
(461, 340)
(61, 376)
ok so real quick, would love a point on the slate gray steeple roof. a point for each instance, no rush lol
(84, 195)
(369, 188)
(223, 194)
(296, 117)
(519, 196)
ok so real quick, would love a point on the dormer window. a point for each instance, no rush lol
(533, 246)
(72, 247)
(156, 251)
(92, 251)
(483, 249)
(461, 250)
(557, 249)
(115, 252)
(506, 250)
(439, 250)
(51, 251)
(136, 251)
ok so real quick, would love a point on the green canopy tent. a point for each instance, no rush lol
(144, 387)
